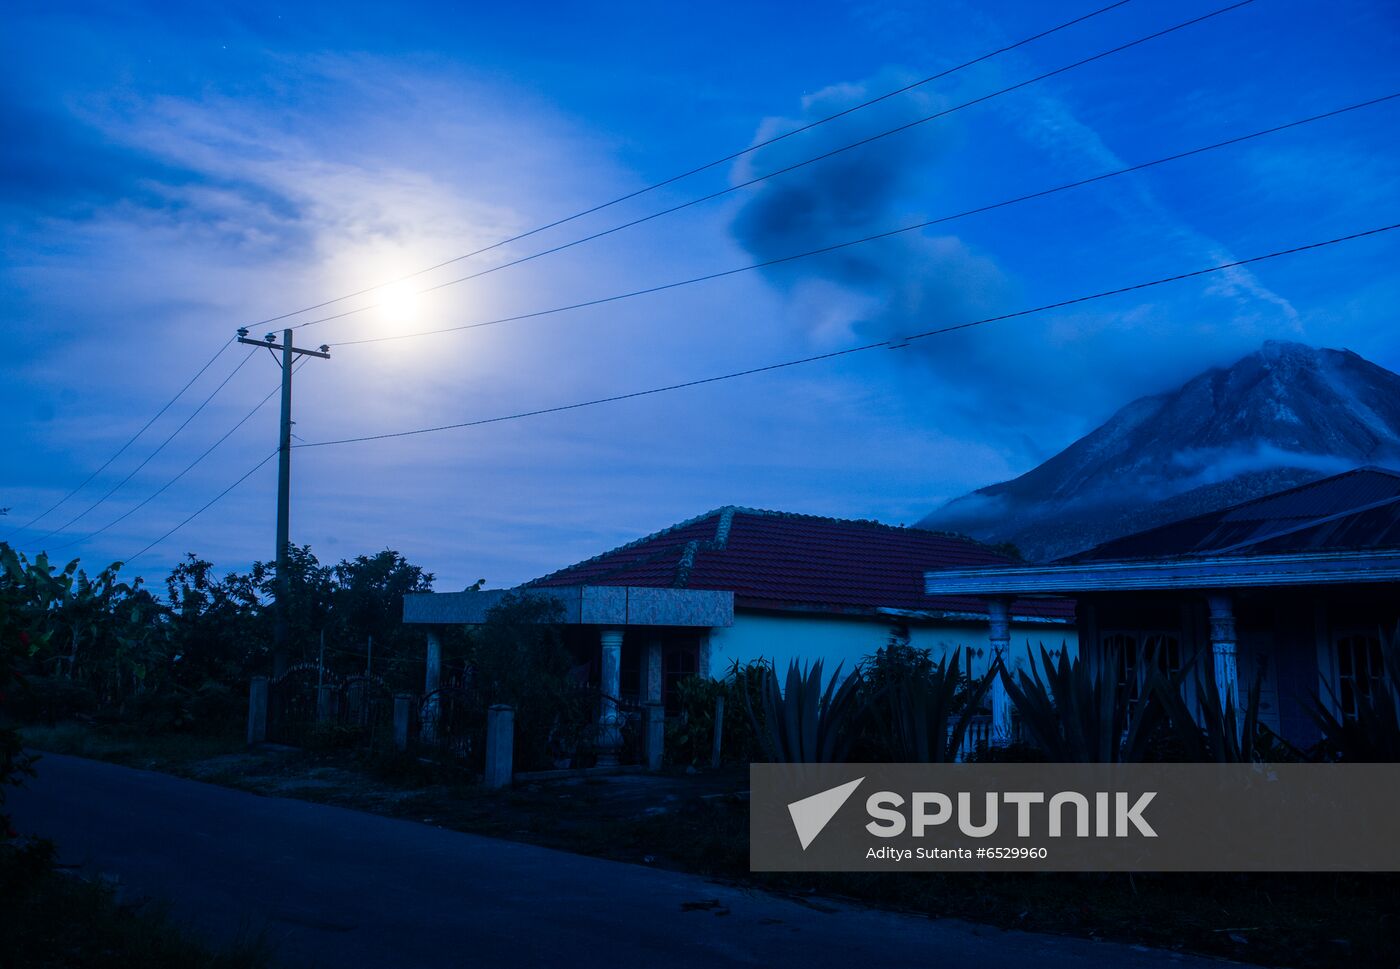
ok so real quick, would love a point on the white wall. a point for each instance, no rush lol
(784, 637)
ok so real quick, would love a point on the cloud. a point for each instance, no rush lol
(1033, 383)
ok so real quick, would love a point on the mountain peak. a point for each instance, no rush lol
(1283, 415)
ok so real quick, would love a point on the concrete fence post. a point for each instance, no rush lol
(500, 741)
(719, 730)
(654, 735)
(257, 710)
(403, 719)
(325, 703)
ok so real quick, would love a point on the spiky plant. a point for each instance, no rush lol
(1079, 716)
(802, 723)
(1373, 735)
(915, 712)
(1221, 734)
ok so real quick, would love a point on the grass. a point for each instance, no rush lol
(1310, 921)
(130, 746)
(51, 919)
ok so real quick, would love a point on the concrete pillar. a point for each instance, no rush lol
(257, 710)
(609, 733)
(719, 731)
(432, 679)
(403, 718)
(500, 744)
(999, 638)
(325, 703)
(654, 735)
(1222, 647)
(651, 691)
(433, 668)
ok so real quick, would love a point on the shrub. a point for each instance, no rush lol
(518, 657)
(922, 709)
(48, 699)
(690, 737)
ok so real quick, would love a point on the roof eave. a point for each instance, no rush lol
(1204, 572)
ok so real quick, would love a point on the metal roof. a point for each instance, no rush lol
(1355, 510)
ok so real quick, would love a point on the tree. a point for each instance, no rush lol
(216, 627)
(368, 602)
(310, 590)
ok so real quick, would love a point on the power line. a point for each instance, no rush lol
(793, 167)
(732, 156)
(893, 344)
(134, 471)
(876, 236)
(187, 469)
(130, 441)
(202, 508)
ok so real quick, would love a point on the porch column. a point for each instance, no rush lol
(432, 676)
(1222, 647)
(434, 662)
(609, 732)
(702, 661)
(999, 637)
(651, 685)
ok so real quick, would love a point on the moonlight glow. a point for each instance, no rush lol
(398, 304)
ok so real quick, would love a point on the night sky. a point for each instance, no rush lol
(170, 172)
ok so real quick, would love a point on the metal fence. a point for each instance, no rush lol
(308, 700)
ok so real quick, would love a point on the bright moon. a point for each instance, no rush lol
(398, 303)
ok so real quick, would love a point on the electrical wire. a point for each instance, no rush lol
(893, 344)
(202, 508)
(732, 156)
(187, 469)
(134, 471)
(130, 441)
(795, 166)
(708, 277)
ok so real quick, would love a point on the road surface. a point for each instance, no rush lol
(337, 888)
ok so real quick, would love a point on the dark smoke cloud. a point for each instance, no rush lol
(887, 288)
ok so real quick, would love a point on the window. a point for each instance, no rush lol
(1359, 668)
(677, 663)
(1135, 650)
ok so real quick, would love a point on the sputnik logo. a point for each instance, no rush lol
(811, 814)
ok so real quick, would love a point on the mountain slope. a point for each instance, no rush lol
(1286, 414)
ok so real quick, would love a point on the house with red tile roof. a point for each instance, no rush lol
(807, 587)
(739, 584)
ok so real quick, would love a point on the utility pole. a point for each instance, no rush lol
(284, 481)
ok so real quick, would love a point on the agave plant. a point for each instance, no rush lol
(1221, 734)
(1373, 735)
(915, 713)
(802, 723)
(1078, 716)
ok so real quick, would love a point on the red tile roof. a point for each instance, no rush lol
(776, 560)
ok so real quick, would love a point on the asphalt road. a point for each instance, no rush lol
(338, 888)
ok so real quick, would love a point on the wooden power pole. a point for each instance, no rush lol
(289, 353)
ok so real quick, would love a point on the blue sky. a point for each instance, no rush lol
(170, 172)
